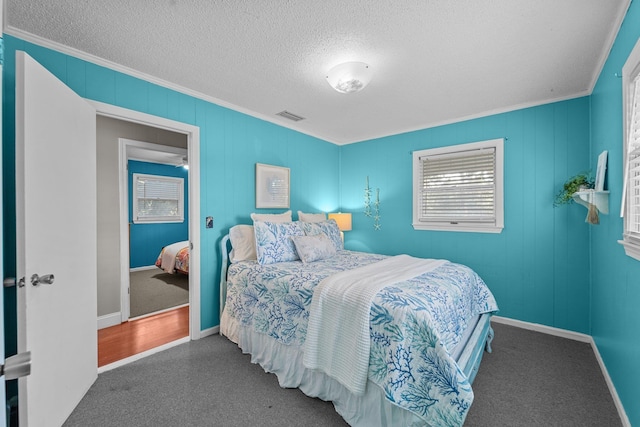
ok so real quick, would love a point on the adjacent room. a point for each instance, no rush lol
(467, 170)
(138, 280)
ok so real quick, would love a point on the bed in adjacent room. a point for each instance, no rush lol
(390, 340)
(174, 258)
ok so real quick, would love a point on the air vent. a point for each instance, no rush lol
(290, 116)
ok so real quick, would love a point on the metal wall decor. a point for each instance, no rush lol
(372, 209)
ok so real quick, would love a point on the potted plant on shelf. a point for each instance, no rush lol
(580, 182)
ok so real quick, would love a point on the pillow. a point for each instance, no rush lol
(311, 217)
(314, 248)
(282, 217)
(273, 241)
(243, 243)
(329, 227)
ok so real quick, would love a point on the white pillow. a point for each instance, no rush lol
(282, 217)
(329, 228)
(314, 248)
(311, 217)
(243, 243)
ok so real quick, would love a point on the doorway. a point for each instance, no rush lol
(113, 247)
(154, 218)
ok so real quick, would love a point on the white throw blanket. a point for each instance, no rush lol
(338, 341)
(169, 253)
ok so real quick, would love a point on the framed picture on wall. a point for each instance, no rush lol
(600, 172)
(272, 186)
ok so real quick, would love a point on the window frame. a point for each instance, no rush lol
(498, 224)
(630, 72)
(157, 219)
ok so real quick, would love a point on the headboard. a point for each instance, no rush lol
(224, 251)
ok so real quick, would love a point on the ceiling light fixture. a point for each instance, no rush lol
(182, 161)
(349, 77)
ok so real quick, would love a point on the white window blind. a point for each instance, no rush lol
(459, 188)
(158, 198)
(633, 159)
(630, 209)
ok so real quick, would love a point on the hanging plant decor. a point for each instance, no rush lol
(582, 181)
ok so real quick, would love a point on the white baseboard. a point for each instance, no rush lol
(549, 330)
(210, 331)
(109, 320)
(612, 388)
(147, 267)
(577, 336)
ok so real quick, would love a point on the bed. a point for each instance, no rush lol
(174, 258)
(413, 360)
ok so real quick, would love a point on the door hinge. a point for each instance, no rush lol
(10, 282)
(16, 366)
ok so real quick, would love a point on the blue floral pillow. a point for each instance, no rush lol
(273, 241)
(329, 227)
(314, 248)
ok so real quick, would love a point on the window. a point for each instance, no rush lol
(631, 195)
(157, 198)
(459, 188)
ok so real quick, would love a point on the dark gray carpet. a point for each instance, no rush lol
(208, 382)
(154, 290)
(530, 379)
(533, 379)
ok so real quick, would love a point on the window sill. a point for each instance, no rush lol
(158, 221)
(462, 228)
(631, 249)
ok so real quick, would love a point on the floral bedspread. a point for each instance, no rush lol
(412, 325)
(182, 260)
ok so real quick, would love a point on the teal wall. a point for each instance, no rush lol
(615, 277)
(147, 240)
(538, 267)
(231, 144)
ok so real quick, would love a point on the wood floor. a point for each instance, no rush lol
(130, 338)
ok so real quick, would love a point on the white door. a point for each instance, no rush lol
(56, 235)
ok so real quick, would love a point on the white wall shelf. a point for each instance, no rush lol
(592, 197)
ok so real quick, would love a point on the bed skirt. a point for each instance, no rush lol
(368, 410)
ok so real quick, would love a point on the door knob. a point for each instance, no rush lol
(47, 279)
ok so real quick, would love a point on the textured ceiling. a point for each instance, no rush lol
(434, 61)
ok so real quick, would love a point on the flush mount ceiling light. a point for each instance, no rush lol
(181, 161)
(349, 77)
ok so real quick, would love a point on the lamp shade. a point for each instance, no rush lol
(349, 77)
(342, 219)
